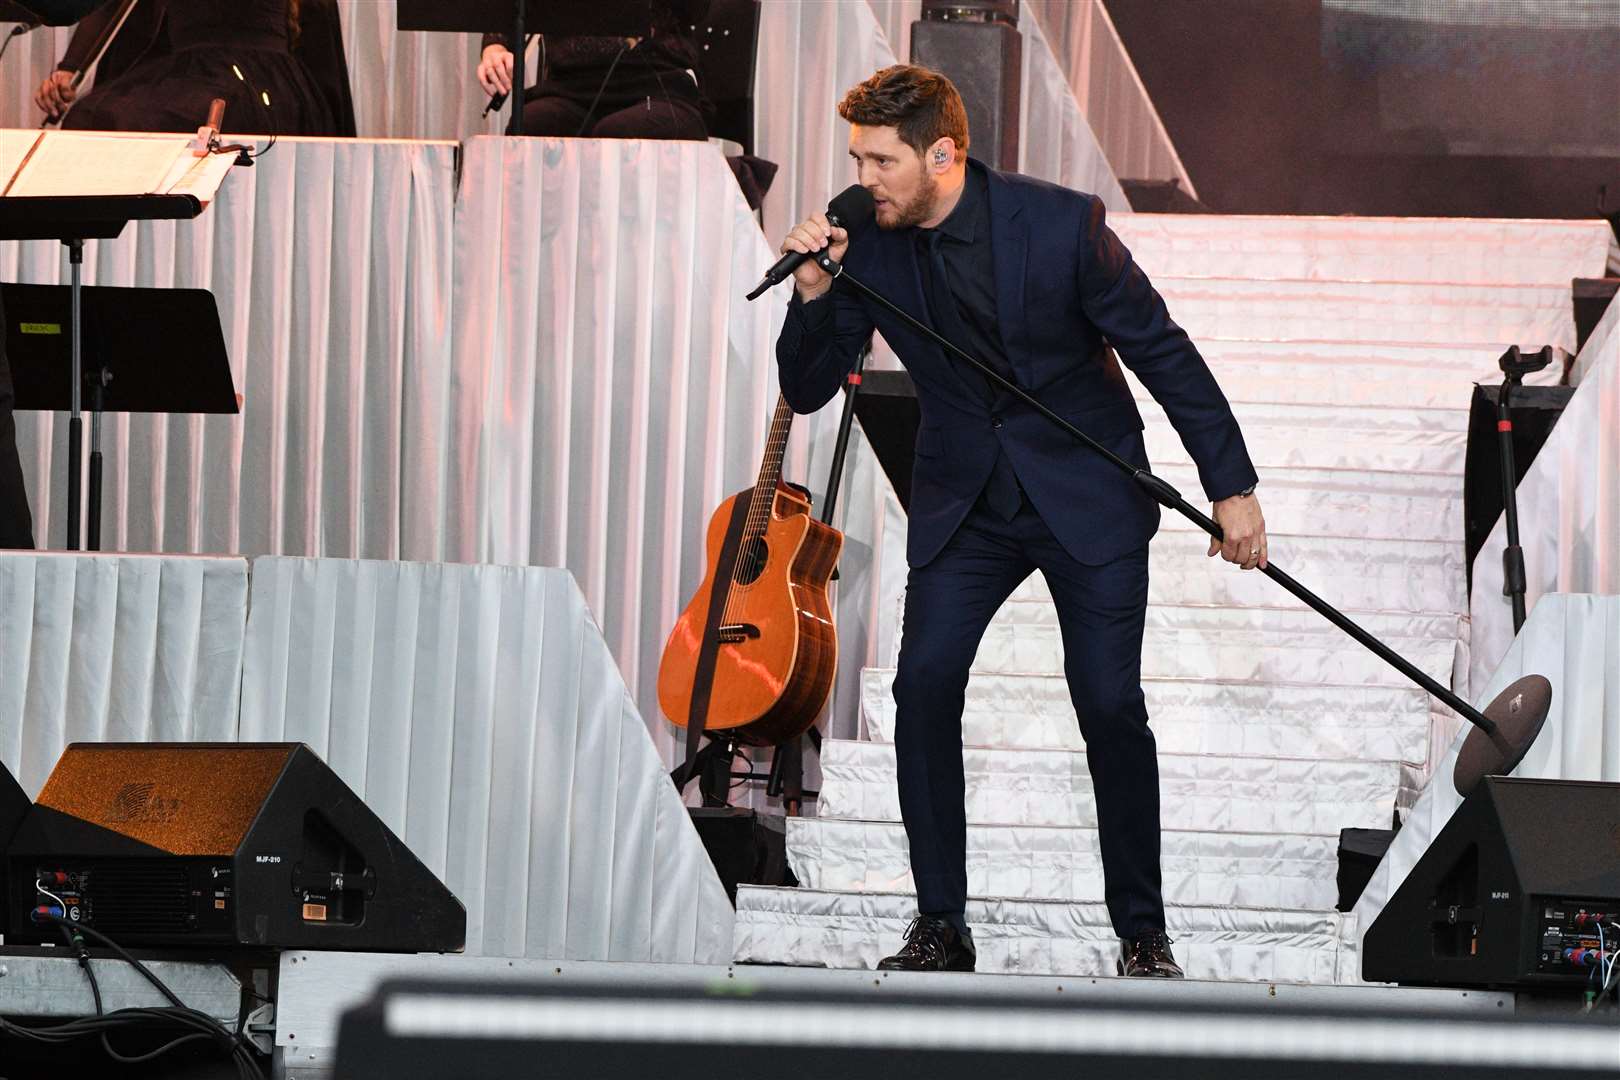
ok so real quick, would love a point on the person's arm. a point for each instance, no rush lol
(818, 346)
(1121, 302)
(825, 329)
(495, 66)
(78, 55)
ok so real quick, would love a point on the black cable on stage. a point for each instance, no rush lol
(233, 1045)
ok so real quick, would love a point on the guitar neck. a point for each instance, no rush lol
(770, 466)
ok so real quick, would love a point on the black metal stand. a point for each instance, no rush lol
(1168, 496)
(75, 375)
(151, 350)
(99, 382)
(1515, 366)
(786, 779)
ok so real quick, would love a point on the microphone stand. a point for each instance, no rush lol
(1495, 752)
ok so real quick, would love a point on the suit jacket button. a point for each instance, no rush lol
(995, 421)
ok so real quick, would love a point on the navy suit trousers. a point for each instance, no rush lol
(1101, 610)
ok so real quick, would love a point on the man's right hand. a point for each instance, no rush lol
(810, 236)
(55, 94)
(495, 70)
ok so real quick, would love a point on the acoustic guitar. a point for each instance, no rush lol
(753, 654)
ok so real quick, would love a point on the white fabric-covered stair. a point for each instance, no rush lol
(1052, 787)
(1347, 348)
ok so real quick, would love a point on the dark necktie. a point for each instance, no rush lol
(1001, 491)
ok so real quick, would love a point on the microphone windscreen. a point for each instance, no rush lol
(853, 207)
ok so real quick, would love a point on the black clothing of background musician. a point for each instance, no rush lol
(178, 57)
(609, 88)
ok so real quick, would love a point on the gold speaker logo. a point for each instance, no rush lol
(141, 803)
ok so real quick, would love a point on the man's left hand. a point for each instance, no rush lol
(1244, 528)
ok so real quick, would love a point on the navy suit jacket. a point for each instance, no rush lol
(1065, 289)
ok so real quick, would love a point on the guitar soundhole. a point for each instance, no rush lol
(751, 561)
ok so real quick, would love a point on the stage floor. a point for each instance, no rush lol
(317, 987)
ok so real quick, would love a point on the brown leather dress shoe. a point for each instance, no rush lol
(932, 944)
(1148, 956)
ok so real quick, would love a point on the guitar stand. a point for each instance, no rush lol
(786, 780)
(712, 764)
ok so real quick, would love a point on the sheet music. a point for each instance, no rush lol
(203, 177)
(81, 163)
(14, 146)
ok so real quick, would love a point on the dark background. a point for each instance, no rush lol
(1480, 108)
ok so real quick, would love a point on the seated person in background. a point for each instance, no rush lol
(610, 87)
(169, 60)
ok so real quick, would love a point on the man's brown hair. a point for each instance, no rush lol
(922, 105)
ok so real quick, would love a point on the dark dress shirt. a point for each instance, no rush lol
(970, 273)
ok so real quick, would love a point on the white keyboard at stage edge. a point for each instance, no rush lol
(1348, 348)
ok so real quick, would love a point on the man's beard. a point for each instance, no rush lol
(918, 210)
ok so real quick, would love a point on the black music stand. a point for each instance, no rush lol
(73, 219)
(563, 18)
(150, 350)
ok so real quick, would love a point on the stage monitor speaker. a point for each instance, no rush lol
(1510, 894)
(14, 806)
(233, 844)
(985, 62)
(746, 846)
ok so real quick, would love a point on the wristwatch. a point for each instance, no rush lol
(1247, 491)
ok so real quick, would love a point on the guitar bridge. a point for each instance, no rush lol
(734, 633)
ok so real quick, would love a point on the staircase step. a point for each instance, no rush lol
(1326, 437)
(1342, 502)
(1063, 863)
(1331, 310)
(1351, 385)
(1250, 644)
(1196, 791)
(1232, 719)
(1366, 248)
(1359, 573)
(813, 928)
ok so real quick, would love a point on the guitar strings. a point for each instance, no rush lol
(761, 506)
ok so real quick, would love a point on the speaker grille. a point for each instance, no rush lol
(141, 899)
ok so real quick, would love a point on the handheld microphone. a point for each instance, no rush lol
(850, 209)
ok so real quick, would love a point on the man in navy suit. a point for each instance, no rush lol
(1028, 277)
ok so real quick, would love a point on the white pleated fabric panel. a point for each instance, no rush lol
(28, 60)
(330, 262)
(608, 386)
(1574, 641)
(1569, 506)
(411, 85)
(810, 54)
(479, 713)
(1055, 142)
(1108, 90)
(133, 648)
